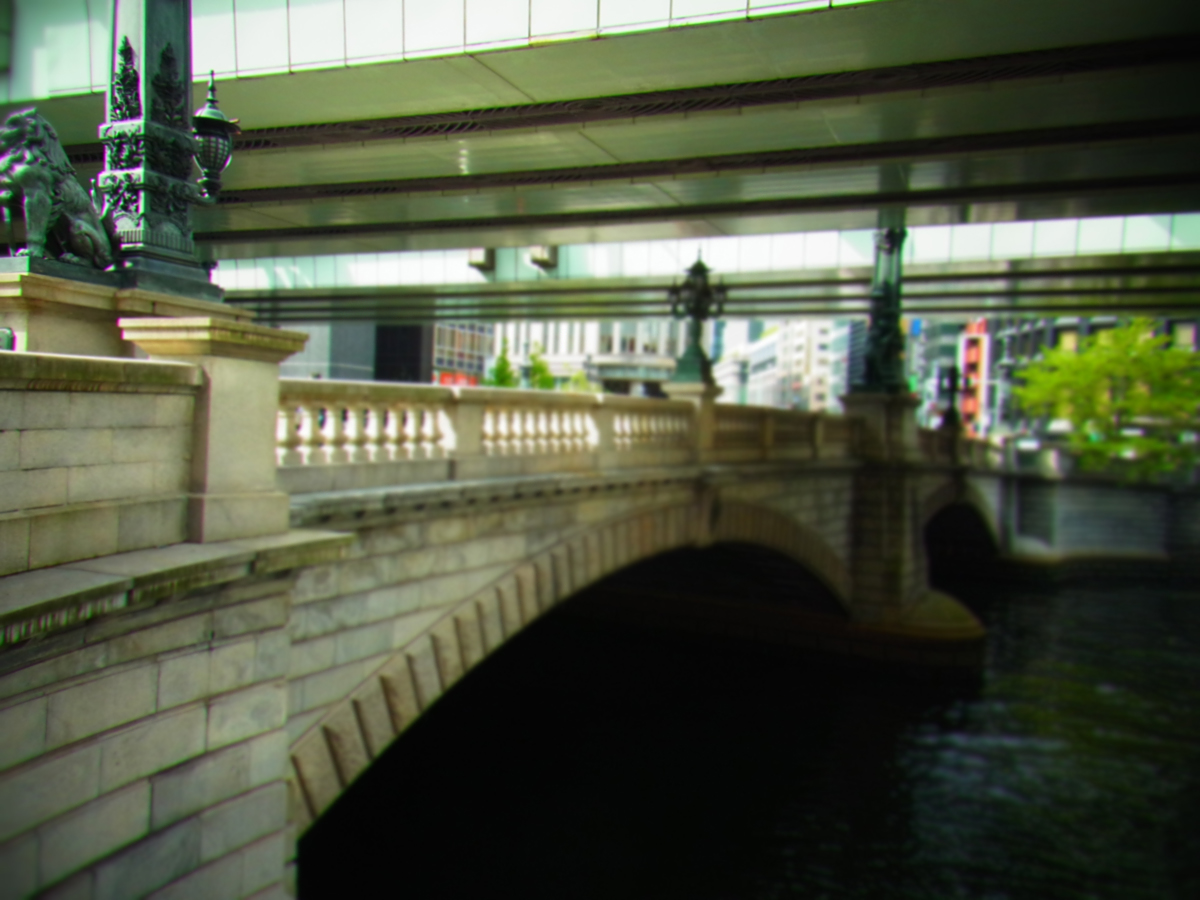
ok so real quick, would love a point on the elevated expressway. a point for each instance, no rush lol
(955, 110)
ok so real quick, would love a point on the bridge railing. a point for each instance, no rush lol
(939, 446)
(756, 433)
(341, 435)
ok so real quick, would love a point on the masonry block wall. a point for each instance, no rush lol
(423, 597)
(379, 635)
(144, 754)
(94, 457)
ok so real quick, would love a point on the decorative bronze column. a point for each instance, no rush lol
(949, 384)
(696, 301)
(885, 343)
(149, 146)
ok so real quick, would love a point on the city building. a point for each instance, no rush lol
(630, 357)
(792, 364)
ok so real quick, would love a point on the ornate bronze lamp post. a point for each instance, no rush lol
(949, 384)
(150, 142)
(696, 300)
(885, 343)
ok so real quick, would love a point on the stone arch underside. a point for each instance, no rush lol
(956, 492)
(752, 524)
(340, 746)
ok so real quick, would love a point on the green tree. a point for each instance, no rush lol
(539, 371)
(1132, 400)
(579, 383)
(502, 374)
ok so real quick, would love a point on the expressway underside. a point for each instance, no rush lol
(955, 111)
(1158, 283)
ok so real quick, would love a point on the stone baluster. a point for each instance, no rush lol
(430, 433)
(490, 430)
(288, 438)
(333, 432)
(524, 434)
(541, 420)
(525, 438)
(508, 431)
(554, 443)
(311, 439)
(391, 438)
(412, 431)
(500, 415)
(536, 431)
(581, 431)
(355, 419)
(438, 422)
(373, 416)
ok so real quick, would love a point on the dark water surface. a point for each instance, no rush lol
(587, 760)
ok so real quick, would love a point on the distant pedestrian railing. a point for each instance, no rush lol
(344, 435)
(341, 435)
(757, 433)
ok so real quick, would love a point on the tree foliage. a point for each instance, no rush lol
(579, 383)
(502, 374)
(1132, 400)
(540, 376)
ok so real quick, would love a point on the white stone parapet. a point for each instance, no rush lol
(343, 435)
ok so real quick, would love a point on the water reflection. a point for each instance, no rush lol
(599, 762)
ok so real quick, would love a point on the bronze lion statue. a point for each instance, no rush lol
(58, 212)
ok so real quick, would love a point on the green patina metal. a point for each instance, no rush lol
(697, 301)
(885, 343)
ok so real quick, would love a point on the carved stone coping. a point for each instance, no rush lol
(59, 372)
(508, 397)
(339, 391)
(33, 289)
(370, 505)
(33, 603)
(320, 390)
(212, 337)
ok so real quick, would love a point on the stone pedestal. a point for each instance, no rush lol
(891, 591)
(55, 307)
(889, 431)
(232, 492)
(705, 397)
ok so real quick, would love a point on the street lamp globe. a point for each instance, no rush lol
(214, 140)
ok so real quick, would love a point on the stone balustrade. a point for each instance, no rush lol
(348, 435)
(108, 444)
(343, 435)
(757, 433)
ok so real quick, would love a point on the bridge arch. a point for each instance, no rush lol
(958, 534)
(331, 754)
(958, 492)
(753, 524)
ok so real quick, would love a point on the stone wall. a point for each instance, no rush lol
(144, 753)
(430, 587)
(94, 457)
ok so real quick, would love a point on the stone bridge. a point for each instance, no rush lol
(224, 595)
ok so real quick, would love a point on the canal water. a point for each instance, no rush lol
(589, 760)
